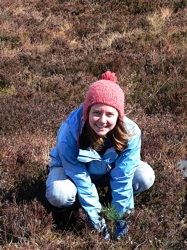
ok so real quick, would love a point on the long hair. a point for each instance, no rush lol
(118, 136)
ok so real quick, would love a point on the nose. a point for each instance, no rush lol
(102, 118)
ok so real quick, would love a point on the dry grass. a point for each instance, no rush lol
(50, 52)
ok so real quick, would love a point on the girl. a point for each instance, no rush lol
(98, 146)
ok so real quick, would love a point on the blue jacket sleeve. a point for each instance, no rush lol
(123, 173)
(87, 192)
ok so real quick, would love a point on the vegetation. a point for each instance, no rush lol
(50, 53)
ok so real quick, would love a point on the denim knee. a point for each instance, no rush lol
(61, 193)
(144, 178)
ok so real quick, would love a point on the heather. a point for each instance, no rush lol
(50, 52)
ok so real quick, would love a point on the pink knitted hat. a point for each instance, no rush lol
(105, 91)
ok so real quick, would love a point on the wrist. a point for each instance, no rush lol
(121, 223)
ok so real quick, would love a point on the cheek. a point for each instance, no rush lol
(114, 121)
(91, 120)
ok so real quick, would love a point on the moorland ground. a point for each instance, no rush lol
(50, 53)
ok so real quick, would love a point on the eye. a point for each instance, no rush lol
(109, 114)
(96, 112)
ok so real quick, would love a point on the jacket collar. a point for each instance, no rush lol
(90, 154)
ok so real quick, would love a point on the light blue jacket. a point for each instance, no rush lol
(80, 164)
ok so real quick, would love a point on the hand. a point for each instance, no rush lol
(121, 229)
(106, 234)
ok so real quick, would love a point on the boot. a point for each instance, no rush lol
(63, 218)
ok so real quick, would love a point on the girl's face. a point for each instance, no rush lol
(102, 118)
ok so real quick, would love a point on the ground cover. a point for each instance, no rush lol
(50, 53)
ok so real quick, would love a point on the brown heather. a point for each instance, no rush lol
(50, 52)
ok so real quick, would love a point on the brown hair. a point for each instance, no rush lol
(118, 136)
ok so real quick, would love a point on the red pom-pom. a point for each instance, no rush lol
(109, 76)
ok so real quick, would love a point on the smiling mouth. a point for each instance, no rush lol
(101, 126)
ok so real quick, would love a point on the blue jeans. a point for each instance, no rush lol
(61, 191)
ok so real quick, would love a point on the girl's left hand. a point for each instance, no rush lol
(121, 229)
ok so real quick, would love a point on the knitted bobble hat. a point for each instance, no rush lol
(105, 91)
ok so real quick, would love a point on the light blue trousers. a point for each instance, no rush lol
(61, 191)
